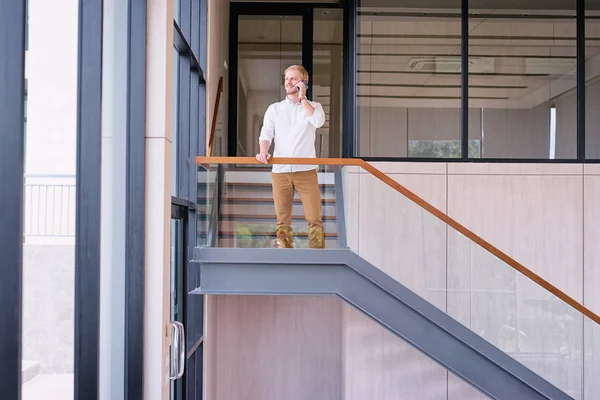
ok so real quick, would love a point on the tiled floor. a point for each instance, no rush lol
(49, 387)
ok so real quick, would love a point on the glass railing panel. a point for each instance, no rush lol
(396, 235)
(464, 279)
(515, 314)
(205, 200)
(246, 214)
(591, 366)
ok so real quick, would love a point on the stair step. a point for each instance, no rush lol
(270, 234)
(270, 226)
(257, 208)
(257, 217)
(266, 185)
(267, 192)
(270, 242)
(248, 176)
(237, 200)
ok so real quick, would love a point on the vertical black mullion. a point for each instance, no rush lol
(87, 234)
(201, 145)
(12, 114)
(581, 80)
(195, 134)
(185, 22)
(350, 134)
(190, 314)
(203, 35)
(464, 76)
(307, 45)
(183, 150)
(135, 201)
(195, 28)
(233, 81)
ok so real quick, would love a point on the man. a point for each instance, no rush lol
(293, 123)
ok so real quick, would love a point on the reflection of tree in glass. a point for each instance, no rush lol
(246, 237)
(442, 148)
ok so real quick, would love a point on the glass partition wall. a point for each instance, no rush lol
(493, 80)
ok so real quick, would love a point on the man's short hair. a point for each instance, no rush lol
(300, 69)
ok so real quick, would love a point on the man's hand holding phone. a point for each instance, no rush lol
(301, 87)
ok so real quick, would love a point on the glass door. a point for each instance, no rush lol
(178, 342)
(267, 45)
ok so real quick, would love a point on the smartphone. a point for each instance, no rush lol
(305, 84)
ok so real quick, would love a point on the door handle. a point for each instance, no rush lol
(177, 351)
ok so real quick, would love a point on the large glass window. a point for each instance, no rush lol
(592, 72)
(523, 77)
(327, 78)
(49, 201)
(409, 82)
(175, 124)
(267, 45)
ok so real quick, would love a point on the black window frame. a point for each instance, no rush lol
(350, 131)
(189, 40)
(12, 115)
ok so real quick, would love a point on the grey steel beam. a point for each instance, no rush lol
(342, 273)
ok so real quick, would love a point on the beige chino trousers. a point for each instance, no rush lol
(307, 185)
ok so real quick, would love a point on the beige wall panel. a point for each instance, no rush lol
(592, 242)
(514, 169)
(278, 347)
(591, 169)
(379, 365)
(536, 220)
(402, 239)
(156, 279)
(460, 390)
(409, 168)
(592, 281)
(210, 361)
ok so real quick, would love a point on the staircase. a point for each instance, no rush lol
(247, 213)
(341, 273)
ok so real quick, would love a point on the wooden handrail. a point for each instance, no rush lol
(213, 126)
(423, 204)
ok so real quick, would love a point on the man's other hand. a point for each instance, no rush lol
(263, 157)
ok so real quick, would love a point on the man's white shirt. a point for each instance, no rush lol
(294, 132)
